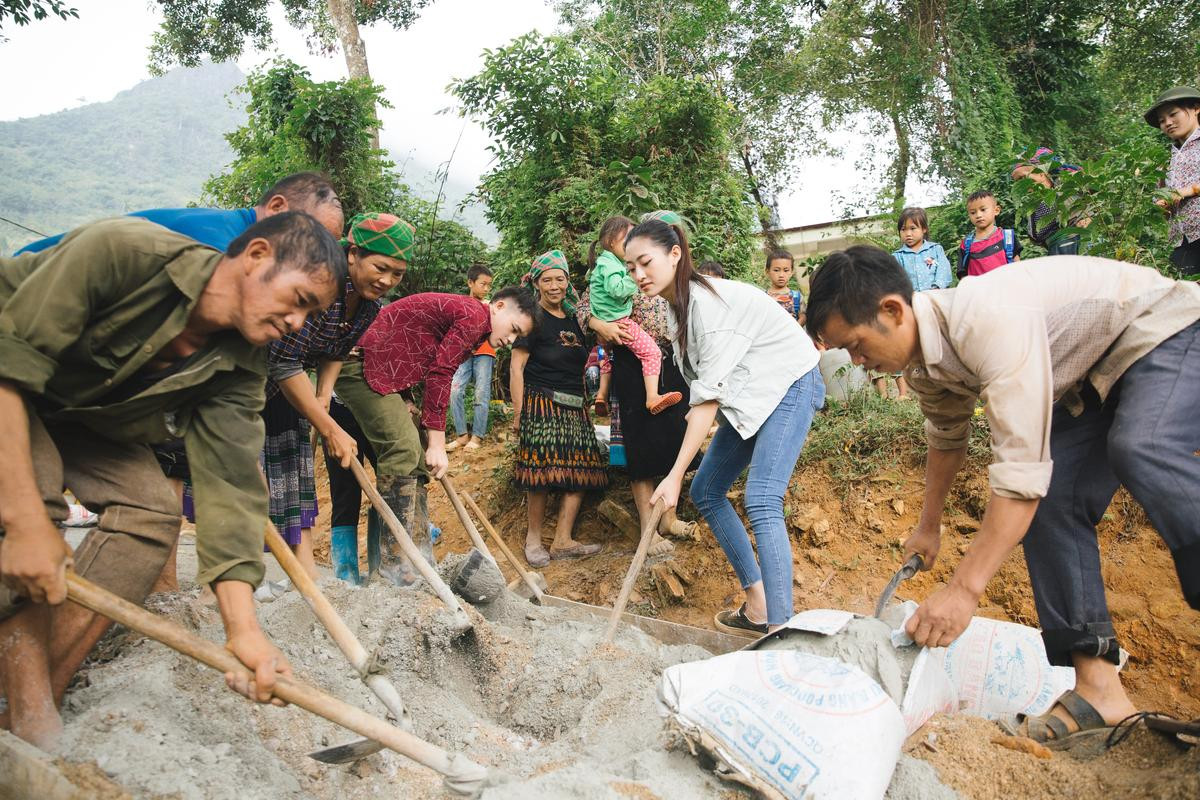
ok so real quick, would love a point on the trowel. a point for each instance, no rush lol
(910, 568)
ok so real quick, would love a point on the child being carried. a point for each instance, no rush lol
(611, 292)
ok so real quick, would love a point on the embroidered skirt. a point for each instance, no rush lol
(558, 448)
(287, 460)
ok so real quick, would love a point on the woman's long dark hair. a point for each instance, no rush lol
(610, 230)
(668, 236)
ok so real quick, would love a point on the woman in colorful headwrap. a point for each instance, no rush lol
(1041, 168)
(377, 247)
(558, 449)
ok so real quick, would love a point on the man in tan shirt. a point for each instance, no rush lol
(1089, 371)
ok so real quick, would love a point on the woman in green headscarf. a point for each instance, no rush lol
(558, 449)
(377, 247)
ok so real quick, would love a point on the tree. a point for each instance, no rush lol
(23, 12)
(295, 124)
(745, 50)
(221, 29)
(576, 140)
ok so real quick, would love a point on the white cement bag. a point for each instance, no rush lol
(995, 669)
(789, 724)
(795, 725)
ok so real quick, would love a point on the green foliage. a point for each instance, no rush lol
(1115, 192)
(296, 124)
(23, 12)
(577, 141)
(193, 30)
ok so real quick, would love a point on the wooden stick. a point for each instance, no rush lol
(462, 775)
(341, 634)
(533, 587)
(461, 620)
(465, 518)
(635, 567)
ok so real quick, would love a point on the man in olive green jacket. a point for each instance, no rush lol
(124, 335)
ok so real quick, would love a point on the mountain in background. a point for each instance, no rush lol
(152, 146)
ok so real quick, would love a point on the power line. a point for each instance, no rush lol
(22, 227)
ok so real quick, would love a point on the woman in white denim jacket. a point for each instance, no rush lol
(745, 358)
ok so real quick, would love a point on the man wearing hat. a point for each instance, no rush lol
(1175, 113)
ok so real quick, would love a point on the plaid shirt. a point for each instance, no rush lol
(424, 338)
(326, 336)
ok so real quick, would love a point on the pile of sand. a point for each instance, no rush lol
(526, 693)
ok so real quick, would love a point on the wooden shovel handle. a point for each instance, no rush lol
(465, 518)
(639, 558)
(461, 773)
(462, 621)
(508, 554)
(341, 634)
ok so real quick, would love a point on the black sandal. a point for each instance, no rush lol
(737, 623)
(1051, 731)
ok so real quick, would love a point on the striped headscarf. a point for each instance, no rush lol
(385, 234)
(552, 259)
(669, 217)
(1044, 155)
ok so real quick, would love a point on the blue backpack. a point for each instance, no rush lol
(1010, 238)
(797, 302)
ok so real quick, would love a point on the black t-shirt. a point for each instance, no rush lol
(557, 354)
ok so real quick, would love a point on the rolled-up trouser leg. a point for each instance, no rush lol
(139, 511)
(1061, 550)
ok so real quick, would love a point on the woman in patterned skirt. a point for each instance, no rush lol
(558, 449)
(378, 247)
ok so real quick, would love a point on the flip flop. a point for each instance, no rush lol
(737, 623)
(666, 401)
(578, 551)
(537, 557)
(1051, 731)
(601, 408)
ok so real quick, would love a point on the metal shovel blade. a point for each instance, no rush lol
(346, 753)
(909, 569)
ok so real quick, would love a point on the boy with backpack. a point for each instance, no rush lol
(780, 266)
(988, 246)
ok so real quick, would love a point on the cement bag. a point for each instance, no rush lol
(786, 723)
(994, 669)
(842, 378)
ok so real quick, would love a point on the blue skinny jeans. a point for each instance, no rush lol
(771, 454)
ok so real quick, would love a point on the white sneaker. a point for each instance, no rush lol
(79, 517)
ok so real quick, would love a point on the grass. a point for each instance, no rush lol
(868, 435)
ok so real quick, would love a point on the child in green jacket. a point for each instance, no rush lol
(611, 291)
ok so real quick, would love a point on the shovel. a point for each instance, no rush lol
(909, 569)
(461, 775)
(346, 641)
(508, 554)
(635, 566)
(461, 621)
(465, 518)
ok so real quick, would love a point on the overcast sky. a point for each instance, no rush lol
(53, 65)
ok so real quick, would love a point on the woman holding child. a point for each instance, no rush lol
(650, 440)
(745, 358)
(558, 450)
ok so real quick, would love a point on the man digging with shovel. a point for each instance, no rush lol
(123, 335)
(1089, 370)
